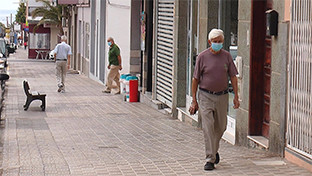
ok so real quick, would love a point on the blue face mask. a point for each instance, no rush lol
(216, 46)
(109, 43)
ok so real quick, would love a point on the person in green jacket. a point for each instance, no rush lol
(114, 65)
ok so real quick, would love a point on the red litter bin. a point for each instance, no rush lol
(133, 88)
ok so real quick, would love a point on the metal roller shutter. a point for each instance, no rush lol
(164, 51)
(299, 118)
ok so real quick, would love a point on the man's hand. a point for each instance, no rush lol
(236, 102)
(234, 84)
(193, 108)
(108, 66)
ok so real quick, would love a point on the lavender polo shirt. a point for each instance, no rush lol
(213, 70)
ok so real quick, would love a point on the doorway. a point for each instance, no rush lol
(192, 49)
(260, 71)
(227, 20)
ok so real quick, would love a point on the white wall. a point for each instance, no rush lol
(84, 14)
(53, 37)
(118, 27)
(99, 43)
(33, 3)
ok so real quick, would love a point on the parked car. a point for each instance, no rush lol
(11, 47)
(4, 53)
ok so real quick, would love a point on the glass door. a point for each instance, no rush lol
(192, 43)
(228, 22)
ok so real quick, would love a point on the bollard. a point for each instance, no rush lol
(131, 89)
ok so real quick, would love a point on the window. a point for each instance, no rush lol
(39, 41)
(87, 41)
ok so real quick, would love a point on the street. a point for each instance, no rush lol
(86, 132)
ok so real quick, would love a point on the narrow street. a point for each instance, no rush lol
(86, 132)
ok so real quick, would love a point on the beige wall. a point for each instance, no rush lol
(53, 37)
(287, 10)
(118, 27)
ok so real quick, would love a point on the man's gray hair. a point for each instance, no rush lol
(63, 38)
(214, 33)
(111, 38)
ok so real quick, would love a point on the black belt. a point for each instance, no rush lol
(61, 59)
(215, 93)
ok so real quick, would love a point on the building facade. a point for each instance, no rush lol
(45, 38)
(264, 58)
(299, 94)
(91, 23)
(274, 69)
(84, 38)
(180, 33)
(161, 39)
(275, 83)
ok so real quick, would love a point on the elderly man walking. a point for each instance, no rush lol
(213, 68)
(62, 58)
(114, 65)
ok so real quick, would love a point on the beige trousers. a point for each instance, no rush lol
(113, 75)
(213, 111)
(61, 69)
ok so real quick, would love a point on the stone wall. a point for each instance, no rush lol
(278, 78)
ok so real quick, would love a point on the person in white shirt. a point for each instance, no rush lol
(62, 58)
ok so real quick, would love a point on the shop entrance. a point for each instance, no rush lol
(260, 71)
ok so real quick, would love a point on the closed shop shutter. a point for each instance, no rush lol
(164, 51)
(299, 118)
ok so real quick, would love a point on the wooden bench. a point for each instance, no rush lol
(31, 96)
(3, 78)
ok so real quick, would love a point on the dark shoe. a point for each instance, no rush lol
(106, 91)
(209, 166)
(217, 158)
(60, 89)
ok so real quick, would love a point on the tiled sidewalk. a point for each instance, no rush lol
(86, 132)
